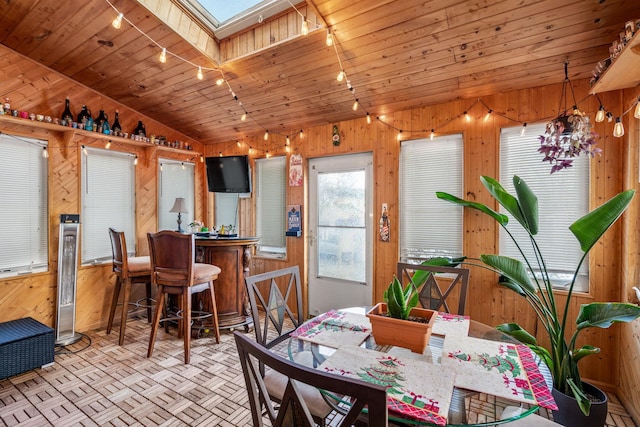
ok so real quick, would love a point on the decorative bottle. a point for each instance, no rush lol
(7, 106)
(99, 121)
(88, 121)
(67, 115)
(140, 129)
(115, 127)
(83, 115)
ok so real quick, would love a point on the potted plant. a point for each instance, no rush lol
(398, 321)
(562, 356)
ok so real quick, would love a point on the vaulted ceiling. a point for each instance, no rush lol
(397, 54)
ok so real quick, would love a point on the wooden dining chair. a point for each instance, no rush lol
(441, 285)
(128, 271)
(274, 321)
(174, 271)
(293, 409)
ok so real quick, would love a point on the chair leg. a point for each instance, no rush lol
(214, 312)
(114, 303)
(125, 310)
(186, 325)
(156, 319)
(148, 302)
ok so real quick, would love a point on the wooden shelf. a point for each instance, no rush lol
(10, 122)
(624, 71)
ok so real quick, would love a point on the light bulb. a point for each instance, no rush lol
(250, 149)
(287, 148)
(368, 118)
(117, 23)
(340, 76)
(84, 150)
(266, 135)
(467, 117)
(433, 134)
(220, 81)
(183, 167)
(600, 114)
(161, 167)
(301, 134)
(201, 158)
(399, 137)
(305, 26)
(107, 145)
(267, 154)
(163, 55)
(636, 113)
(488, 115)
(609, 117)
(219, 153)
(524, 129)
(355, 105)
(618, 129)
(135, 161)
(243, 117)
(200, 76)
(288, 141)
(329, 37)
(45, 153)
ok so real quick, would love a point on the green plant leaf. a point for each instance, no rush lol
(528, 203)
(501, 218)
(507, 201)
(593, 225)
(583, 400)
(512, 268)
(514, 330)
(583, 351)
(510, 284)
(604, 314)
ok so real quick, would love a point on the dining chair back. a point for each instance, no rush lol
(443, 285)
(175, 272)
(128, 271)
(293, 409)
(269, 294)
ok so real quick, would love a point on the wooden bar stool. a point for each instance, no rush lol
(174, 271)
(128, 270)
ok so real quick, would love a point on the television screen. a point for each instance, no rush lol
(228, 174)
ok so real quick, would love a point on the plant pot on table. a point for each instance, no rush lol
(411, 334)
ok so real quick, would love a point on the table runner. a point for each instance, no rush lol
(501, 369)
(451, 324)
(415, 389)
(334, 329)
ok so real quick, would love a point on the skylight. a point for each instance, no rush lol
(225, 17)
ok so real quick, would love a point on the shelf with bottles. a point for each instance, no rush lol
(623, 72)
(8, 123)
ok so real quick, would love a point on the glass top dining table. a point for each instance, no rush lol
(466, 408)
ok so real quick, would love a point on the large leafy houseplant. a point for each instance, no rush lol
(562, 356)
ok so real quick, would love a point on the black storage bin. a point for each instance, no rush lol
(25, 344)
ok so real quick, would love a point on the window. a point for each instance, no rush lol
(270, 206)
(562, 198)
(24, 227)
(429, 226)
(108, 200)
(176, 179)
(226, 209)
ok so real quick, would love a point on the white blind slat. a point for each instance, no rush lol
(270, 203)
(177, 179)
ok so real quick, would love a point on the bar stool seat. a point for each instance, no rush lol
(175, 272)
(128, 271)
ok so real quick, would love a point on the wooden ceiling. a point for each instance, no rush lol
(398, 54)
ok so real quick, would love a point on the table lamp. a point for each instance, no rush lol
(179, 206)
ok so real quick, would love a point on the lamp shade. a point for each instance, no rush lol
(179, 206)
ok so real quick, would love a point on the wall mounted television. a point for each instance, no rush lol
(228, 174)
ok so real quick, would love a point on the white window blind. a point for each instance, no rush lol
(270, 205)
(177, 179)
(23, 211)
(429, 226)
(226, 209)
(108, 200)
(563, 197)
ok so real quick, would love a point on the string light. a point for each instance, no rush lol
(488, 115)
(301, 134)
(618, 128)
(117, 22)
(433, 134)
(250, 150)
(135, 161)
(600, 114)
(329, 40)
(201, 158)
(239, 144)
(399, 137)
(266, 135)
(84, 151)
(219, 153)
(161, 167)
(340, 76)
(107, 145)
(200, 76)
(163, 55)
(288, 141)
(183, 166)
(636, 113)
(467, 117)
(45, 153)
(287, 148)
(219, 81)
(305, 26)
(368, 118)
(524, 129)
(243, 117)
(355, 105)
(609, 116)
(267, 154)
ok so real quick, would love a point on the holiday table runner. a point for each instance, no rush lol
(335, 328)
(415, 389)
(501, 369)
(451, 324)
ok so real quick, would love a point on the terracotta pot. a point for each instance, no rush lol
(569, 414)
(402, 333)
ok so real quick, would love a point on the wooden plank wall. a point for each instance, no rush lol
(481, 146)
(35, 295)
